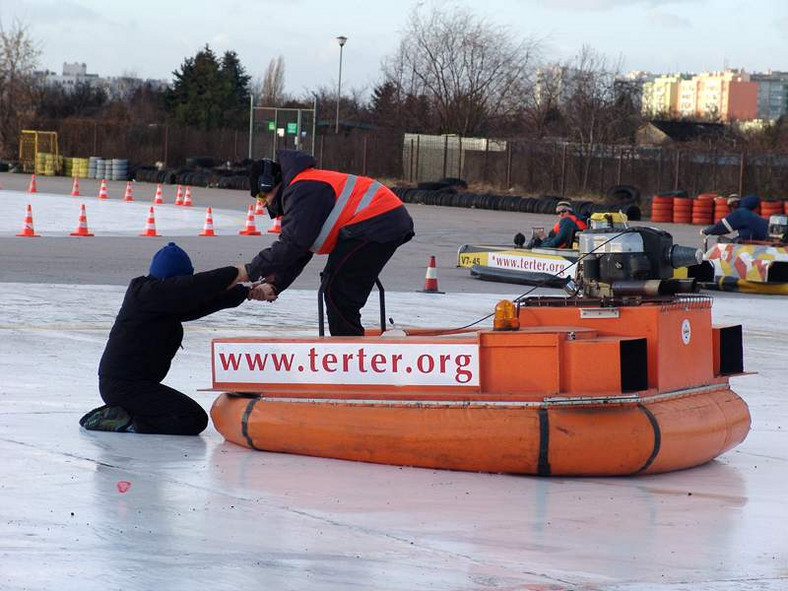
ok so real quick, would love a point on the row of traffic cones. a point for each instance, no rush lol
(182, 197)
(150, 226)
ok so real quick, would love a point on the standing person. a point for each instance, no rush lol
(563, 233)
(144, 339)
(744, 220)
(355, 220)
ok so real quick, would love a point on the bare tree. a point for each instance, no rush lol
(272, 93)
(594, 111)
(18, 59)
(473, 72)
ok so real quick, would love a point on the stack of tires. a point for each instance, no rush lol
(662, 208)
(101, 168)
(93, 167)
(770, 208)
(119, 169)
(703, 209)
(682, 210)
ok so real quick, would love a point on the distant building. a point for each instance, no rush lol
(661, 96)
(116, 87)
(73, 74)
(556, 83)
(772, 94)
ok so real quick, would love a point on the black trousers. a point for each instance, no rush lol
(154, 407)
(348, 279)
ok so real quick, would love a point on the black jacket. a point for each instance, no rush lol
(305, 206)
(148, 330)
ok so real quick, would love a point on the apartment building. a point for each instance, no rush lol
(772, 94)
(725, 96)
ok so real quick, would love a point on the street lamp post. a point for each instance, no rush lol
(342, 41)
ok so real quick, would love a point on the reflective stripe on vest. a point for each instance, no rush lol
(358, 198)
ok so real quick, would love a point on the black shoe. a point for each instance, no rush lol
(106, 418)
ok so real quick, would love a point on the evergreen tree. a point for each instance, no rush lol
(197, 96)
(235, 90)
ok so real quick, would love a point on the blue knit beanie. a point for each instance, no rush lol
(170, 261)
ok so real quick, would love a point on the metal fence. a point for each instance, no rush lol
(523, 166)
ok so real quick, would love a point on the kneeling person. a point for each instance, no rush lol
(144, 339)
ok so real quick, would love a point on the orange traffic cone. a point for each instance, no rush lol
(103, 190)
(150, 225)
(207, 228)
(276, 227)
(82, 228)
(187, 198)
(259, 209)
(179, 196)
(158, 199)
(31, 188)
(129, 194)
(75, 188)
(28, 230)
(250, 229)
(431, 279)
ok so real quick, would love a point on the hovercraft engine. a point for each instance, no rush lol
(633, 263)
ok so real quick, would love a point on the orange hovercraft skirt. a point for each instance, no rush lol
(563, 395)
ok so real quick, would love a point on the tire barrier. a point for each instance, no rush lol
(682, 210)
(770, 208)
(703, 209)
(662, 208)
(118, 169)
(544, 204)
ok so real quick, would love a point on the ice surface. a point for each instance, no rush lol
(202, 513)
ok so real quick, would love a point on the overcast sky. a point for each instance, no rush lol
(151, 38)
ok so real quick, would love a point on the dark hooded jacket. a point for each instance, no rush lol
(148, 330)
(743, 220)
(304, 207)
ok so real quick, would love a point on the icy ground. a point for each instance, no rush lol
(202, 513)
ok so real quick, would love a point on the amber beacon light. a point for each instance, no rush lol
(506, 316)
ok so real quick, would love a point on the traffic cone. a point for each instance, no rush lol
(187, 198)
(250, 229)
(31, 188)
(75, 188)
(158, 199)
(276, 227)
(179, 196)
(28, 230)
(82, 228)
(103, 190)
(129, 194)
(431, 279)
(259, 209)
(207, 228)
(150, 225)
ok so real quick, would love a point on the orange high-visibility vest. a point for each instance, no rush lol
(358, 198)
(581, 225)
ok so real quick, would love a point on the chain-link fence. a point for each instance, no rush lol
(274, 128)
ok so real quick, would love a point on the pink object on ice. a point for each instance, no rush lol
(123, 486)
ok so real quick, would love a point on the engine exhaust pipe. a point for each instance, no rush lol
(654, 287)
(683, 256)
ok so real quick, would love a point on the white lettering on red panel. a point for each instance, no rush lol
(390, 364)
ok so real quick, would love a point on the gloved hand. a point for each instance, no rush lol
(703, 231)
